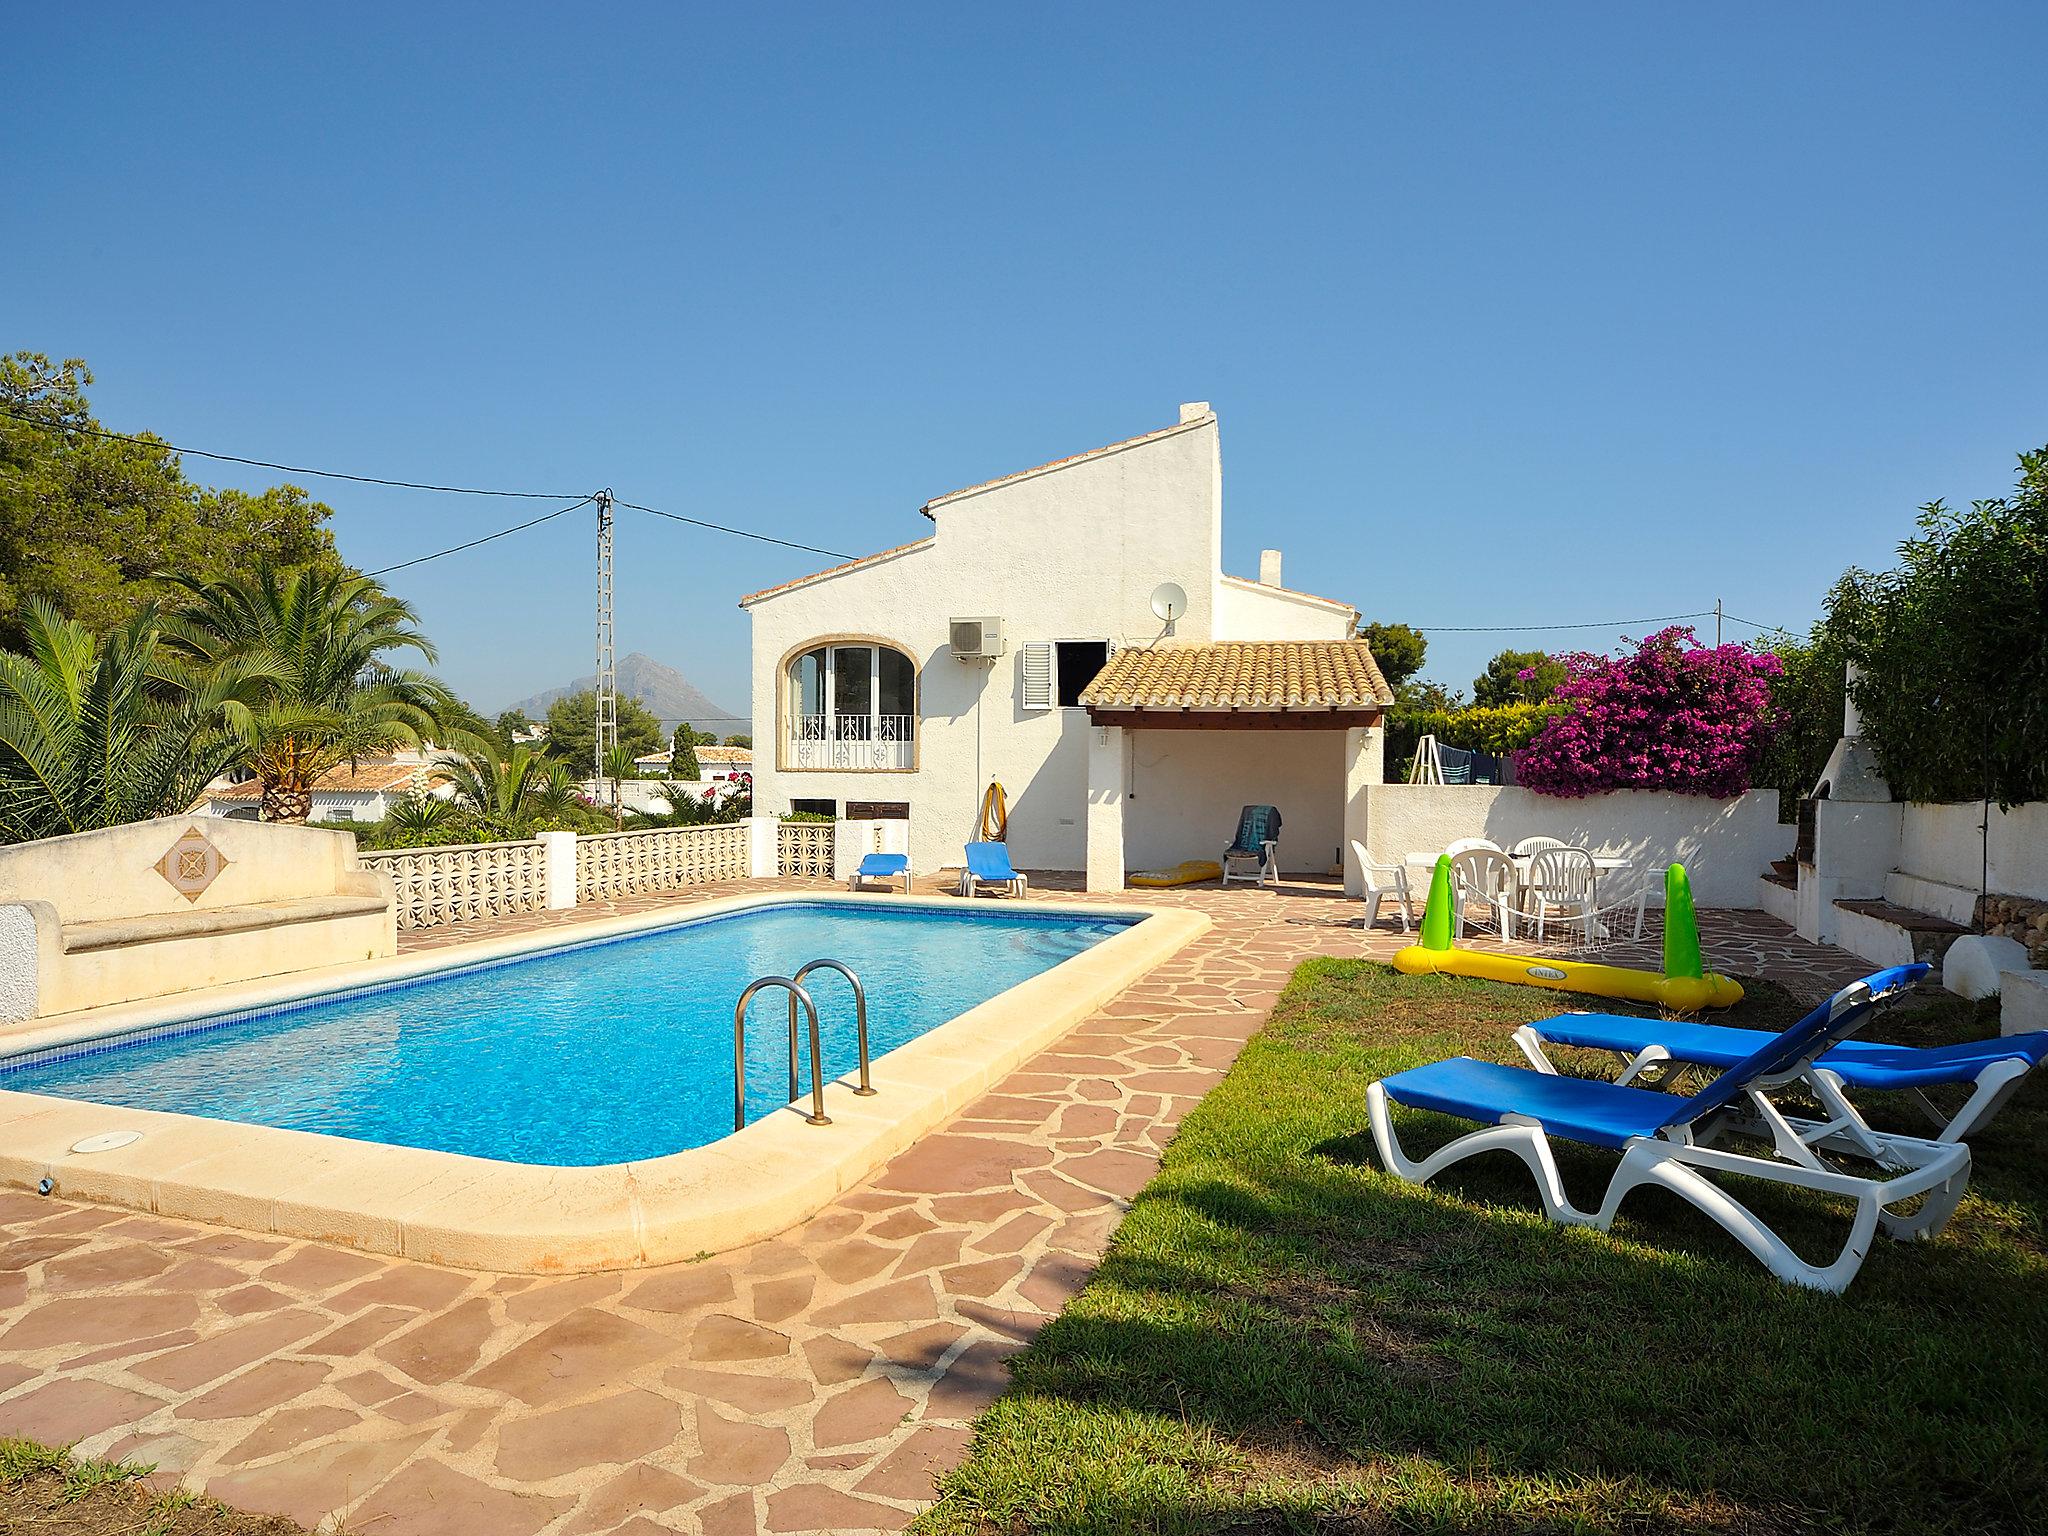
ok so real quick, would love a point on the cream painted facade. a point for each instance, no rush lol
(1070, 551)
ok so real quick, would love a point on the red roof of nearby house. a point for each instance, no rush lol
(362, 779)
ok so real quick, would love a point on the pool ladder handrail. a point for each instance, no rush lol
(866, 1089)
(797, 994)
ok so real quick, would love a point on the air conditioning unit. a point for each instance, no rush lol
(976, 639)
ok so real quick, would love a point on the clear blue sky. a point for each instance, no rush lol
(1512, 315)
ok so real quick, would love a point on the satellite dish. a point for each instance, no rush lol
(1169, 602)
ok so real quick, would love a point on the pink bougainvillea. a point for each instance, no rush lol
(1673, 714)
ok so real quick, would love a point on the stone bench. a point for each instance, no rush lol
(177, 904)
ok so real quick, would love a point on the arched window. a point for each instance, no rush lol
(852, 705)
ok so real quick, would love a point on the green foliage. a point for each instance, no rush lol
(1502, 681)
(496, 793)
(1398, 648)
(511, 723)
(1500, 729)
(1806, 702)
(740, 741)
(100, 730)
(683, 764)
(807, 816)
(1952, 648)
(418, 821)
(91, 524)
(689, 806)
(572, 729)
(320, 639)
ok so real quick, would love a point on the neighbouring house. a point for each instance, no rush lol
(715, 765)
(1069, 632)
(363, 792)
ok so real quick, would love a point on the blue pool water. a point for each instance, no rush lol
(600, 1053)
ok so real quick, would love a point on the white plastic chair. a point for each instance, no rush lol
(1487, 876)
(1561, 882)
(1382, 880)
(1529, 845)
(1464, 843)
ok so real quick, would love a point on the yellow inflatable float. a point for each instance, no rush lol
(1191, 872)
(1684, 985)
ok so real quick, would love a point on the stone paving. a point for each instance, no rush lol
(814, 1382)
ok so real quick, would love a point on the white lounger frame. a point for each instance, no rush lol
(1994, 1085)
(1679, 1163)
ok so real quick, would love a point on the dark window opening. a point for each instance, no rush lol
(814, 807)
(1075, 664)
(878, 810)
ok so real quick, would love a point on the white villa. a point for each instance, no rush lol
(1069, 632)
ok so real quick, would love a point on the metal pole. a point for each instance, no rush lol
(1717, 622)
(606, 713)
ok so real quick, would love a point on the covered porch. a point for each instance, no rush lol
(1183, 736)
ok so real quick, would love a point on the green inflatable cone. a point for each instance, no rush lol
(1436, 913)
(1681, 926)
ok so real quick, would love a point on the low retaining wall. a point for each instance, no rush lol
(1949, 843)
(1724, 844)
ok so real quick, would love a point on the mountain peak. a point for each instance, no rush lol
(666, 692)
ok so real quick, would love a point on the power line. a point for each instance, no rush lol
(456, 549)
(289, 469)
(1519, 629)
(738, 533)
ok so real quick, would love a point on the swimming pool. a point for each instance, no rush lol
(603, 1052)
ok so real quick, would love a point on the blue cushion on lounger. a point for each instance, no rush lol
(884, 866)
(1574, 1107)
(989, 861)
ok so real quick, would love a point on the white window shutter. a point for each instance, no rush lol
(1036, 661)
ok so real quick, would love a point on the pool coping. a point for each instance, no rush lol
(477, 1213)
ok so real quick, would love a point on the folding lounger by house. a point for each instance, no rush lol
(1670, 1141)
(885, 867)
(988, 864)
(1990, 1069)
(1254, 853)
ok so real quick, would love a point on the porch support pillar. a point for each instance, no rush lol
(1109, 772)
(1365, 759)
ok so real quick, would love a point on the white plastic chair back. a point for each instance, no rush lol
(1484, 873)
(1537, 845)
(1562, 877)
(1464, 844)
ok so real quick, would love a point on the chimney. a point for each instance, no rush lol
(1269, 567)
(1193, 410)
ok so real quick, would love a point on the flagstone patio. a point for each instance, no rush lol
(814, 1382)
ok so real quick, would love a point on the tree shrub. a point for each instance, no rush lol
(1672, 715)
(1499, 729)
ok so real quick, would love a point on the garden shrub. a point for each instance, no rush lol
(1671, 715)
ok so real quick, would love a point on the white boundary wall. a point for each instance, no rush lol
(1945, 843)
(1724, 844)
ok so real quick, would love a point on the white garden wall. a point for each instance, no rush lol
(1946, 843)
(1724, 844)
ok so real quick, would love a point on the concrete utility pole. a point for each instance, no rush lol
(1717, 622)
(607, 712)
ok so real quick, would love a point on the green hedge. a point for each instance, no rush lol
(1499, 729)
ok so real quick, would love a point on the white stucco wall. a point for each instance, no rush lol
(1187, 787)
(1247, 611)
(1724, 844)
(1072, 552)
(1945, 843)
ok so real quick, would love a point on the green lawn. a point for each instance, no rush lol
(1283, 1337)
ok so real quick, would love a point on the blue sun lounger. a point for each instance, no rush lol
(1670, 1141)
(885, 867)
(1992, 1069)
(988, 864)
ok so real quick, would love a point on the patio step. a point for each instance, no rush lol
(1957, 903)
(1783, 872)
(1889, 934)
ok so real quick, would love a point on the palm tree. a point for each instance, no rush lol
(555, 789)
(498, 793)
(322, 639)
(97, 731)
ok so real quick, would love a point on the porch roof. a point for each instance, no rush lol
(1239, 677)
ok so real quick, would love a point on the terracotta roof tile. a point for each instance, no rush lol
(1266, 675)
(363, 779)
